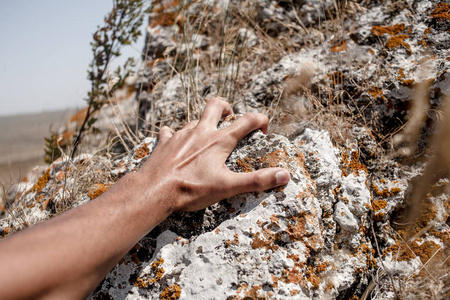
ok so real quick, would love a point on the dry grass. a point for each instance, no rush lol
(229, 67)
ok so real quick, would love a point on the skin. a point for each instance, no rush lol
(68, 256)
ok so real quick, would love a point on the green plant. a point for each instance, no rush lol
(121, 27)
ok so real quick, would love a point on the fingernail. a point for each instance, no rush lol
(282, 177)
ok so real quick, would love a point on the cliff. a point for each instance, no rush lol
(356, 91)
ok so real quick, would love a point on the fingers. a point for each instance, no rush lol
(215, 110)
(260, 180)
(246, 124)
(190, 125)
(165, 133)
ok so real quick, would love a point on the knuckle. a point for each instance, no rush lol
(253, 118)
(215, 101)
(258, 181)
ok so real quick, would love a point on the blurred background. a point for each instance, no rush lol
(44, 54)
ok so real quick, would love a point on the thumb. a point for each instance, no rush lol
(260, 180)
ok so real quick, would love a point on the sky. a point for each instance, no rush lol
(45, 52)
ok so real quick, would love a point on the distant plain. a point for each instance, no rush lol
(22, 142)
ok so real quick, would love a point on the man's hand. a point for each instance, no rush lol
(67, 256)
(190, 164)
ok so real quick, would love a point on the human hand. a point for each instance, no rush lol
(189, 165)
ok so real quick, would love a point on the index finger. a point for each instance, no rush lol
(246, 124)
(215, 110)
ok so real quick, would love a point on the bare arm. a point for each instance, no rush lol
(70, 254)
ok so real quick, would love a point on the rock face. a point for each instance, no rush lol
(276, 244)
(335, 231)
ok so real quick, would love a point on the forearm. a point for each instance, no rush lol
(69, 255)
(85, 243)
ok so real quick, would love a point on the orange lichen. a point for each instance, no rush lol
(258, 242)
(322, 267)
(230, 118)
(441, 12)
(339, 46)
(79, 116)
(235, 241)
(427, 31)
(397, 41)
(294, 275)
(294, 292)
(6, 231)
(312, 277)
(378, 204)
(60, 176)
(244, 164)
(159, 272)
(97, 190)
(294, 257)
(253, 292)
(385, 192)
(278, 158)
(171, 292)
(376, 92)
(444, 236)
(424, 250)
(163, 19)
(140, 283)
(378, 216)
(142, 151)
(352, 166)
(42, 181)
(296, 228)
(391, 30)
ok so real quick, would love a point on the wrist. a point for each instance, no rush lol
(150, 194)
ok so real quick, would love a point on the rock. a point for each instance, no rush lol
(335, 230)
(268, 244)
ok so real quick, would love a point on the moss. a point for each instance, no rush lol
(171, 292)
